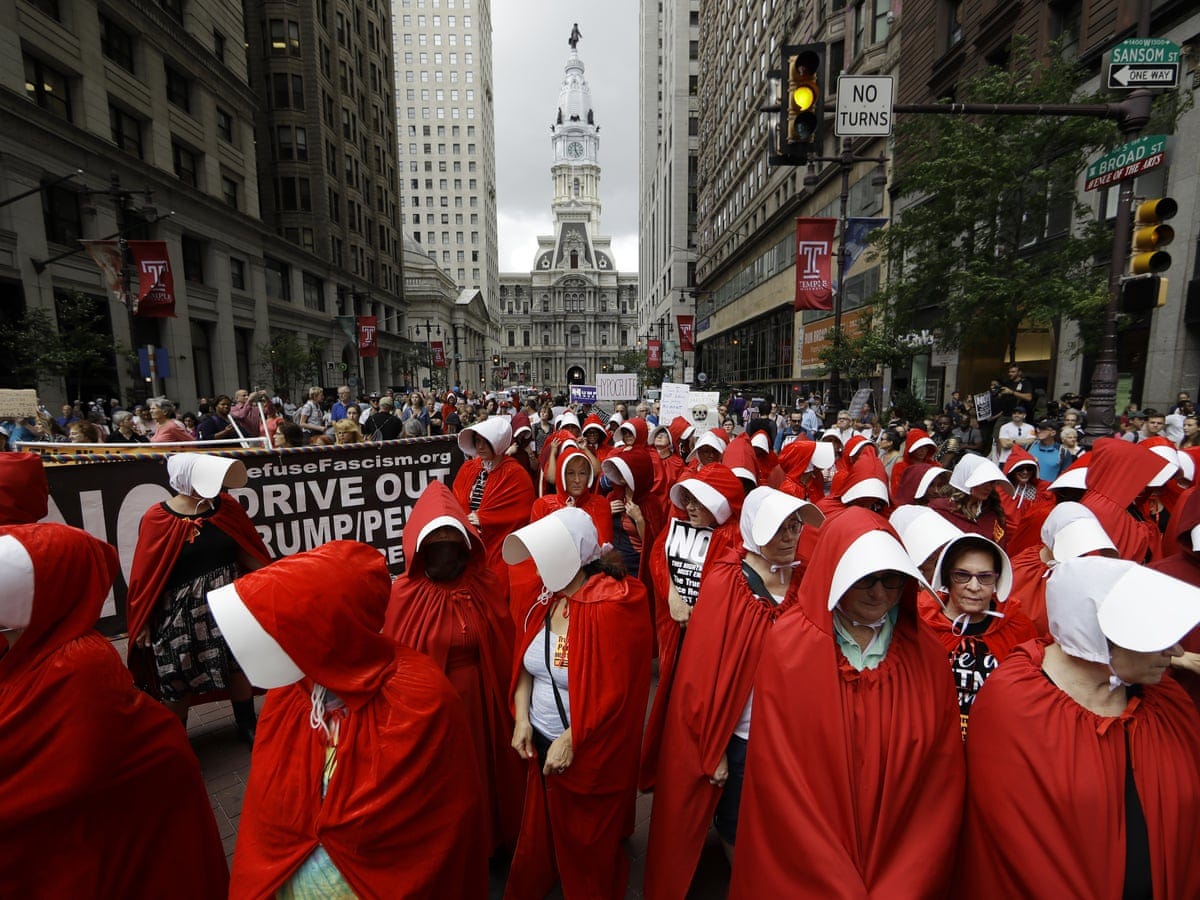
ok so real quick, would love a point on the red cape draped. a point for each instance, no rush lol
(404, 792)
(1024, 520)
(160, 540)
(1117, 472)
(847, 770)
(574, 823)
(1029, 586)
(1185, 565)
(101, 791)
(713, 678)
(426, 615)
(1045, 812)
(594, 505)
(507, 498)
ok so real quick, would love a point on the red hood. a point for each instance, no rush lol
(331, 628)
(594, 421)
(1017, 455)
(560, 468)
(721, 479)
(796, 457)
(740, 455)
(678, 428)
(914, 435)
(641, 431)
(1187, 517)
(910, 481)
(865, 467)
(519, 421)
(435, 501)
(1120, 470)
(833, 541)
(72, 574)
(23, 489)
(853, 447)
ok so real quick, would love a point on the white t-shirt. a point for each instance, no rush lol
(543, 711)
(742, 729)
(1013, 432)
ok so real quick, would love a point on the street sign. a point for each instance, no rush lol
(1143, 63)
(864, 106)
(1134, 158)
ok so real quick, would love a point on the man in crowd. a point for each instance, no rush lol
(1047, 450)
(1016, 392)
(1017, 432)
(384, 425)
(811, 420)
(791, 431)
(338, 411)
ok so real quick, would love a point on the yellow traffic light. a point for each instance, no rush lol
(1150, 236)
(804, 95)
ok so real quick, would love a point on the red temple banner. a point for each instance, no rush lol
(439, 354)
(156, 286)
(654, 353)
(687, 334)
(814, 263)
(367, 343)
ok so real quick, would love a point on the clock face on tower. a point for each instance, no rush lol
(574, 150)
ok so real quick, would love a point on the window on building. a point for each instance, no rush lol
(186, 164)
(48, 7)
(953, 10)
(225, 125)
(237, 274)
(192, 251)
(512, 336)
(179, 88)
(314, 293)
(525, 338)
(173, 8)
(230, 189)
(126, 130)
(278, 279)
(218, 46)
(47, 87)
(61, 214)
(116, 43)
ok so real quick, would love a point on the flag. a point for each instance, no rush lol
(857, 232)
(439, 354)
(654, 353)
(367, 346)
(156, 286)
(107, 255)
(686, 333)
(814, 260)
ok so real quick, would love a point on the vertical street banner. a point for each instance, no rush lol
(107, 255)
(814, 263)
(687, 334)
(367, 344)
(654, 353)
(156, 285)
(686, 548)
(297, 499)
(439, 354)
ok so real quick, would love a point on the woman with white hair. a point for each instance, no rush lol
(710, 712)
(579, 701)
(1083, 762)
(856, 755)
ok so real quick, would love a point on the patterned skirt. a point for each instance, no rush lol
(190, 655)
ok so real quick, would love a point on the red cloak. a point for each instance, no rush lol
(464, 626)
(1045, 814)
(911, 439)
(1029, 586)
(1117, 472)
(794, 460)
(844, 762)
(401, 816)
(713, 678)
(160, 540)
(507, 498)
(23, 489)
(574, 823)
(1024, 517)
(595, 505)
(101, 793)
(1185, 565)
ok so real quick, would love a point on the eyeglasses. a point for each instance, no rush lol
(891, 580)
(985, 579)
(792, 524)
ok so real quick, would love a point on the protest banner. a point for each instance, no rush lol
(673, 402)
(297, 499)
(18, 403)
(702, 410)
(582, 393)
(686, 547)
(616, 387)
(983, 406)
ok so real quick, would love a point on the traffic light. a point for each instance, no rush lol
(1149, 236)
(802, 115)
(495, 359)
(1143, 293)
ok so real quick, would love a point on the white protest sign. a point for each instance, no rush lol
(702, 410)
(622, 386)
(673, 402)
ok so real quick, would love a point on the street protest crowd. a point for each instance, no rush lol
(912, 659)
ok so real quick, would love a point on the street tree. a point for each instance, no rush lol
(992, 233)
(290, 363)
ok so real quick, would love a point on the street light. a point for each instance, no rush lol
(430, 330)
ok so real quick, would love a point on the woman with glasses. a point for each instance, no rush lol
(973, 615)
(708, 718)
(856, 756)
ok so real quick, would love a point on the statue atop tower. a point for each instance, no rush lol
(575, 37)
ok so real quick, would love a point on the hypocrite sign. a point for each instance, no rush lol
(297, 500)
(686, 548)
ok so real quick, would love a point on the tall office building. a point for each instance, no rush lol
(668, 164)
(444, 103)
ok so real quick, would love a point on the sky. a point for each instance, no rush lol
(529, 50)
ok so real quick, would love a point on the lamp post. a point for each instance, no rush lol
(430, 330)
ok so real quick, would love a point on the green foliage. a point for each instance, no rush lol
(290, 364)
(909, 408)
(993, 234)
(635, 361)
(74, 342)
(858, 352)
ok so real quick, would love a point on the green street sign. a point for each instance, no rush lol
(1144, 63)
(1127, 161)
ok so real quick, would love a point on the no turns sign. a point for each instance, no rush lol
(864, 106)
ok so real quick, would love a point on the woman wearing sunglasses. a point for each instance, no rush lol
(855, 734)
(973, 615)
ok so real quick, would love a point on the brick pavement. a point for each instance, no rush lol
(225, 763)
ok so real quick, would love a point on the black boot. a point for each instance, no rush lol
(245, 719)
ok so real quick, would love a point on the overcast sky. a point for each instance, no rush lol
(528, 55)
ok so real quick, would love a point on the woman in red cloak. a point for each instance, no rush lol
(974, 503)
(1117, 473)
(918, 448)
(1029, 504)
(492, 487)
(668, 464)
(844, 463)
(921, 484)
(101, 793)
(23, 489)
(972, 613)
(580, 741)
(702, 761)
(574, 487)
(1184, 564)
(862, 769)
(450, 606)
(594, 441)
(1083, 762)
(198, 540)
(1069, 531)
(711, 499)
(364, 776)
(802, 467)
(866, 486)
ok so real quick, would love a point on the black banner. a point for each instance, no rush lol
(298, 499)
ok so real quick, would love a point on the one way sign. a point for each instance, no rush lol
(1144, 63)
(1143, 76)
